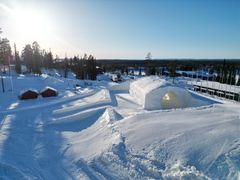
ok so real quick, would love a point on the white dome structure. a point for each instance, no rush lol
(154, 93)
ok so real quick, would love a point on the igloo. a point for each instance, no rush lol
(154, 93)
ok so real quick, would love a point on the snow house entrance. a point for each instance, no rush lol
(170, 100)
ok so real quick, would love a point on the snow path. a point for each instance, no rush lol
(29, 148)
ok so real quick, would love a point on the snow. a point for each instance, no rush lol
(101, 131)
(155, 93)
(29, 89)
(46, 88)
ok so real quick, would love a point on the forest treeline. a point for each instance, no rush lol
(85, 67)
(224, 70)
(35, 59)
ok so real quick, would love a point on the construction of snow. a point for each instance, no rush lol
(148, 128)
(154, 93)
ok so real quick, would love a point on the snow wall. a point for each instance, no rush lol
(124, 86)
(155, 93)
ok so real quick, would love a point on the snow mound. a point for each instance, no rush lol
(78, 121)
(111, 116)
(124, 86)
(97, 138)
(178, 171)
(205, 141)
(91, 100)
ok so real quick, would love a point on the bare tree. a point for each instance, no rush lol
(148, 56)
(150, 68)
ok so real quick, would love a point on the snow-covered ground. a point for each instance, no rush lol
(101, 132)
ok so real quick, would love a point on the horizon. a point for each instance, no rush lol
(126, 30)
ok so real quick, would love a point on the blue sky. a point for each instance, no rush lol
(131, 28)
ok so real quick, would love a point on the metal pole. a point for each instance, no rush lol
(201, 81)
(226, 86)
(10, 76)
(230, 88)
(1, 67)
(219, 84)
(192, 81)
(3, 47)
(3, 89)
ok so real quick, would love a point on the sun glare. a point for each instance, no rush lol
(31, 25)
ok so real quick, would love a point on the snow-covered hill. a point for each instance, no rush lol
(101, 132)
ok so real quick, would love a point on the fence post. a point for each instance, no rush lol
(3, 89)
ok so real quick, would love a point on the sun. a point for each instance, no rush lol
(31, 24)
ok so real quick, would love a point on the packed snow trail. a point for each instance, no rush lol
(29, 148)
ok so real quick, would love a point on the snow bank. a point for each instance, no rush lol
(191, 143)
(178, 171)
(155, 93)
(90, 142)
(124, 86)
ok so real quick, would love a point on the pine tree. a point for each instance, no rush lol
(50, 60)
(172, 70)
(224, 72)
(65, 67)
(77, 67)
(37, 58)
(83, 67)
(27, 55)
(5, 52)
(17, 61)
(91, 68)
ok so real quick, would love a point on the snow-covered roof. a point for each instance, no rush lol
(149, 83)
(46, 88)
(29, 89)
